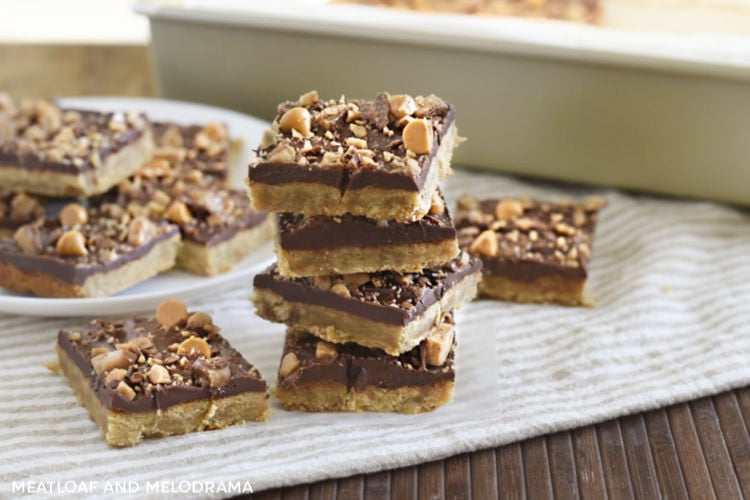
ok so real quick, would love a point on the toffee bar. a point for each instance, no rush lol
(318, 244)
(385, 310)
(315, 375)
(56, 152)
(532, 251)
(157, 377)
(380, 159)
(86, 253)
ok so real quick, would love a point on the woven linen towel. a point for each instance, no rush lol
(671, 281)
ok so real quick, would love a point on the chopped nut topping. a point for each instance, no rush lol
(140, 231)
(506, 209)
(115, 375)
(341, 289)
(109, 361)
(438, 344)
(309, 98)
(199, 320)
(127, 391)
(28, 239)
(401, 105)
(157, 374)
(289, 364)
(438, 205)
(178, 212)
(326, 350)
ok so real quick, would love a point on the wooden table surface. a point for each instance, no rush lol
(699, 449)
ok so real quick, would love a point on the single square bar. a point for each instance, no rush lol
(159, 377)
(380, 159)
(347, 244)
(532, 251)
(86, 253)
(56, 152)
(385, 310)
(315, 375)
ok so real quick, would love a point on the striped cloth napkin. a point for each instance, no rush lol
(671, 281)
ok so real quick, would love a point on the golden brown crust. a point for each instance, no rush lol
(542, 290)
(327, 396)
(209, 260)
(127, 429)
(408, 258)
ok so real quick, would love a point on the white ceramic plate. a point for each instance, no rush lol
(173, 284)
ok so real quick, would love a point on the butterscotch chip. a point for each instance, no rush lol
(485, 244)
(171, 313)
(438, 205)
(418, 136)
(298, 119)
(71, 244)
(289, 364)
(341, 289)
(74, 214)
(199, 320)
(127, 391)
(194, 345)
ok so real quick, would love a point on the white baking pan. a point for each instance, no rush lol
(667, 113)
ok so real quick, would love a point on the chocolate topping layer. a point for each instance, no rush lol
(533, 238)
(352, 144)
(358, 367)
(386, 296)
(38, 135)
(138, 345)
(106, 239)
(300, 232)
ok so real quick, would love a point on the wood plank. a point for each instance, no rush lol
(689, 452)
(715, 450)
(483, 474)
(430, 481)
(378, 485)
(614, 460)
(640, 461)
(350, 488)
(404, 483)
(295, 493)
(263, 495)
(588, 459)
(536, 467)
(562, 465)
(510, 472)
(323, 490)
(736, 437)
(458, 477)
(668, 470)
(743, 398)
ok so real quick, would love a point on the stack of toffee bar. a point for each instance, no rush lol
(369, 271)
(92, 203)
